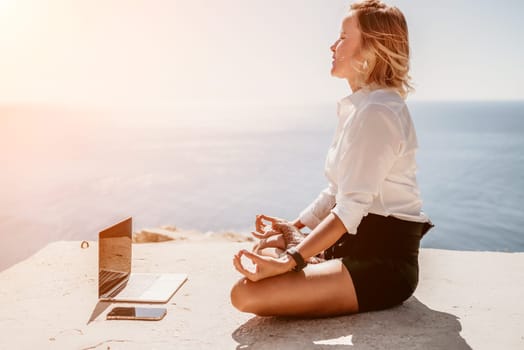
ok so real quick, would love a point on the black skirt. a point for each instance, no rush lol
(382, 259)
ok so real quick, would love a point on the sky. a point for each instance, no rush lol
(163, 53)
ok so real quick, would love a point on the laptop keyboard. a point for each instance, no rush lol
(105, 276)
(107, 280)
(138, 284)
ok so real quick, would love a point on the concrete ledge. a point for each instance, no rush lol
(465, 300)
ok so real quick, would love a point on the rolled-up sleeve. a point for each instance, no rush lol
(319, 208)
(370, 149)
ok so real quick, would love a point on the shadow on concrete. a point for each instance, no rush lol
(100, 307)
(411, 325)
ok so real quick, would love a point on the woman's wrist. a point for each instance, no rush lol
(300, 263)
(298, 224)
(288, 262)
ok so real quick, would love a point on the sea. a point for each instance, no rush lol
(67, 172)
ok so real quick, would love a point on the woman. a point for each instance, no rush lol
(368, 221)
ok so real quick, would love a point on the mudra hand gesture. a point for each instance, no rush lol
(266, 266)
(263, 230)
(280, 235)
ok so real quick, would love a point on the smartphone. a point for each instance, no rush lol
(136, 313)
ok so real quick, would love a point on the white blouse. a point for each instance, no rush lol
(370, 166)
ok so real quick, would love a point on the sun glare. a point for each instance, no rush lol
(6, 5)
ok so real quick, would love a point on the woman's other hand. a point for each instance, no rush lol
(264, 230)
(265, 266)
(265, 234)
(261, 227)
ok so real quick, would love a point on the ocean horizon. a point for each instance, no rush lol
(68, 173)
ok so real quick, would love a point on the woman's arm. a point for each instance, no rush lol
(317, 211)
(322, 237)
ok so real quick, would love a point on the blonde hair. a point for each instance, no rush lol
(384, 45)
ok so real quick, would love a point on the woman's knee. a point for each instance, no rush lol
(248, 296)
(243, 296)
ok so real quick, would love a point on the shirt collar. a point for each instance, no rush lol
(354, 100)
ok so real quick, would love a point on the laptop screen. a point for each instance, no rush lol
(114, 258)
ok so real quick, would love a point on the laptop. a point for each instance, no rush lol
(117, 283)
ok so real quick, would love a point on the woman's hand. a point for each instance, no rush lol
(265, 266)
(264, 230)
(268, 232)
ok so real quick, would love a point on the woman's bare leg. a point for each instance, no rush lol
(324, 289)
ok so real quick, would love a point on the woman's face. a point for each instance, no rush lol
(346, 50)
